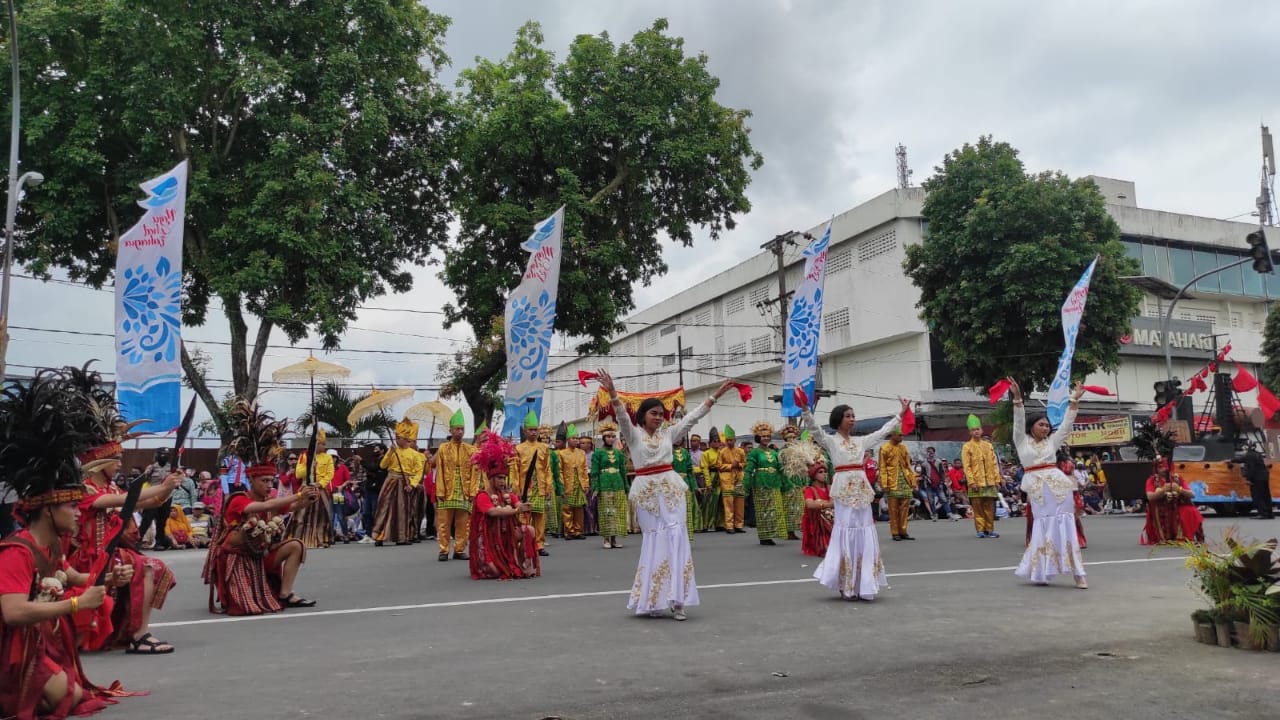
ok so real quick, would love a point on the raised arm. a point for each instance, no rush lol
(1063, 432)
(825, 441)
(701, 411)
(878, 437)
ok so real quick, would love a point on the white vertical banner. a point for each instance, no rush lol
(529, 322)
(1072, 313)
(149, 306)
(804, 327)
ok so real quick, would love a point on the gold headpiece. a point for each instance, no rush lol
(764, 427)
(607, 427)
(790, 432)
(407, 429)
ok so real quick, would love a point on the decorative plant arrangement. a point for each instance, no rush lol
(1241, 581)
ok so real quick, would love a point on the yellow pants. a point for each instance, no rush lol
(984, 513)
(539, 522)
(899, 509)
(456, 523)
(735, 510)
(571, 521)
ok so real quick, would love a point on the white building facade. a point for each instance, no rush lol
(874, 346)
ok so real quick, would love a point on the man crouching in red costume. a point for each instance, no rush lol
(501, 547)
(129, 624)
(250, 568)
(1171, 515)
(40, 672)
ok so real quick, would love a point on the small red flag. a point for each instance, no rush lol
(800, 398)
(908, 422)
(1196, 385)
(1268, 402)
(1097, 390)
(1244, 381)
(997, 391)
(584, 376)
(744, 391)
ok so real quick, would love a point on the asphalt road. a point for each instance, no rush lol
(398, 634)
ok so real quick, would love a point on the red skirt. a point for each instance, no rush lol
(815, 533)
(502, 549)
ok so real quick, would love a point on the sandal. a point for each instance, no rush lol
(293, 601)
(148, 645)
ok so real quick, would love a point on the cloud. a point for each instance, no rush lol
(1166, 94)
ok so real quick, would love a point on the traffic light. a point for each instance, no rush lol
(1175, 389)
(1260, 252)
(1162, 389)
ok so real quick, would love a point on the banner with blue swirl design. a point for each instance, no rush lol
(149, 306)
(530, 320)
(804, 327)
(1072, 313)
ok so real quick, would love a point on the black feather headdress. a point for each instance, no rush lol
(257, 437)
(43, 426)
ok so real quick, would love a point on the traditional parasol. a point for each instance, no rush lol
(309, 370)
(432, 410)
(378, 401)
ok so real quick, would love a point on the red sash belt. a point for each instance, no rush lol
(847, 468)
(1039, 467)
(652, 470)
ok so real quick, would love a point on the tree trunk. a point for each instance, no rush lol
(473, 385)
(206, 396)
(239, 346)
(481, 405)
(255, 361)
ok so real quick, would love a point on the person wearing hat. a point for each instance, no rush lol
(577, 481)
(457, 482)
(898, 479)
(552, 506)
(762, 477)
(982, 472)
(502, 547)
(314, 522)
(200, 525)
(393, 519)
(682, 464)
(732, 461)
(819, 512)
(608, 480)
(42, 430)
(712, 512)
(531, 479)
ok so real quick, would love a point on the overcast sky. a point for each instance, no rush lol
(1167, 94)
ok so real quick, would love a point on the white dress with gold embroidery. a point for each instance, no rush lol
(664, 577)
(1054, 548)
(852, 566)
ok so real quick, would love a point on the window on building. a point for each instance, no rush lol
(760, 294)
(703, 317)
(667, 330)
(1254, 285)
(1273, 284)
(738, 351)
(650, 339)
(1231, 280)
(735, 305)
(836, 320)
(704, 362)
(1206, 260)
(652, 383)
(668, 360)
(686, 351)
(1183, 266)
(761, 344)
(1236, 320)
(1199, 316)
(839, 260)
(881, 244)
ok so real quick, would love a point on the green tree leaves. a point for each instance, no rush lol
(1002, 250)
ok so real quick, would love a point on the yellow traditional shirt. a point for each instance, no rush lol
(980, 466)
(323, 469)
(406, 461)
(528, 453)
(711, 466)
(456, 478)
(573, 470)
(894, 458)
(726, 459)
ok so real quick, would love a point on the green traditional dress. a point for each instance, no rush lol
(682, 463)
(608, 480)
(763, 477)
(552, 507)
(712, 510)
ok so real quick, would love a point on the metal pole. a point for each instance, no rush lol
(1168, 314)
(11, 211)
(680, 359)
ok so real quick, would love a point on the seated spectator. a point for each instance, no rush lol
(200, 523)
(177, 528)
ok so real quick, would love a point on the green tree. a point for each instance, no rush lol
(1002, 250)
(313, 134)
(1269, 374)
(628, 137)
(331, 407)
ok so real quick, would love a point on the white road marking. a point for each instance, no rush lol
(293, 615)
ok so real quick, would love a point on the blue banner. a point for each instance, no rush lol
(1072, 312)
(804, 328)
(529, 323)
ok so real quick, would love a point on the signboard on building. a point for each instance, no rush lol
(1110, 430)
(1187, 339)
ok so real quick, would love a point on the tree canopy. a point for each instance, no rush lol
(629, 137)
(315, 143)
(1002, 250)
(1270, 371)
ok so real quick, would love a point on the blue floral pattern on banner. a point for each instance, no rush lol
(531, 328)
(152, 302)
(803, 325)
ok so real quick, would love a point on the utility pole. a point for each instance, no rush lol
(778, 246)
(680, 358)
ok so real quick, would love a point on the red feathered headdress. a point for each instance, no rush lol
(494, 454)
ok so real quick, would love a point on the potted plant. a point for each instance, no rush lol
(1223, 627)
(1242, 582)
(1202, 622)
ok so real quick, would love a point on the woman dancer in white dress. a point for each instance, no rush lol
(852, 566)
(664, 577)
(1054, 548)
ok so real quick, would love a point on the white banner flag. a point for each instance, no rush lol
(1072, 312)
(530, 321)
(149, 306)
(804, 327)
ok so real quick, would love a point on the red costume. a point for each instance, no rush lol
(97, 527)
(1171, 521)
(501, 548)
(815, 526)
(241, 569)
